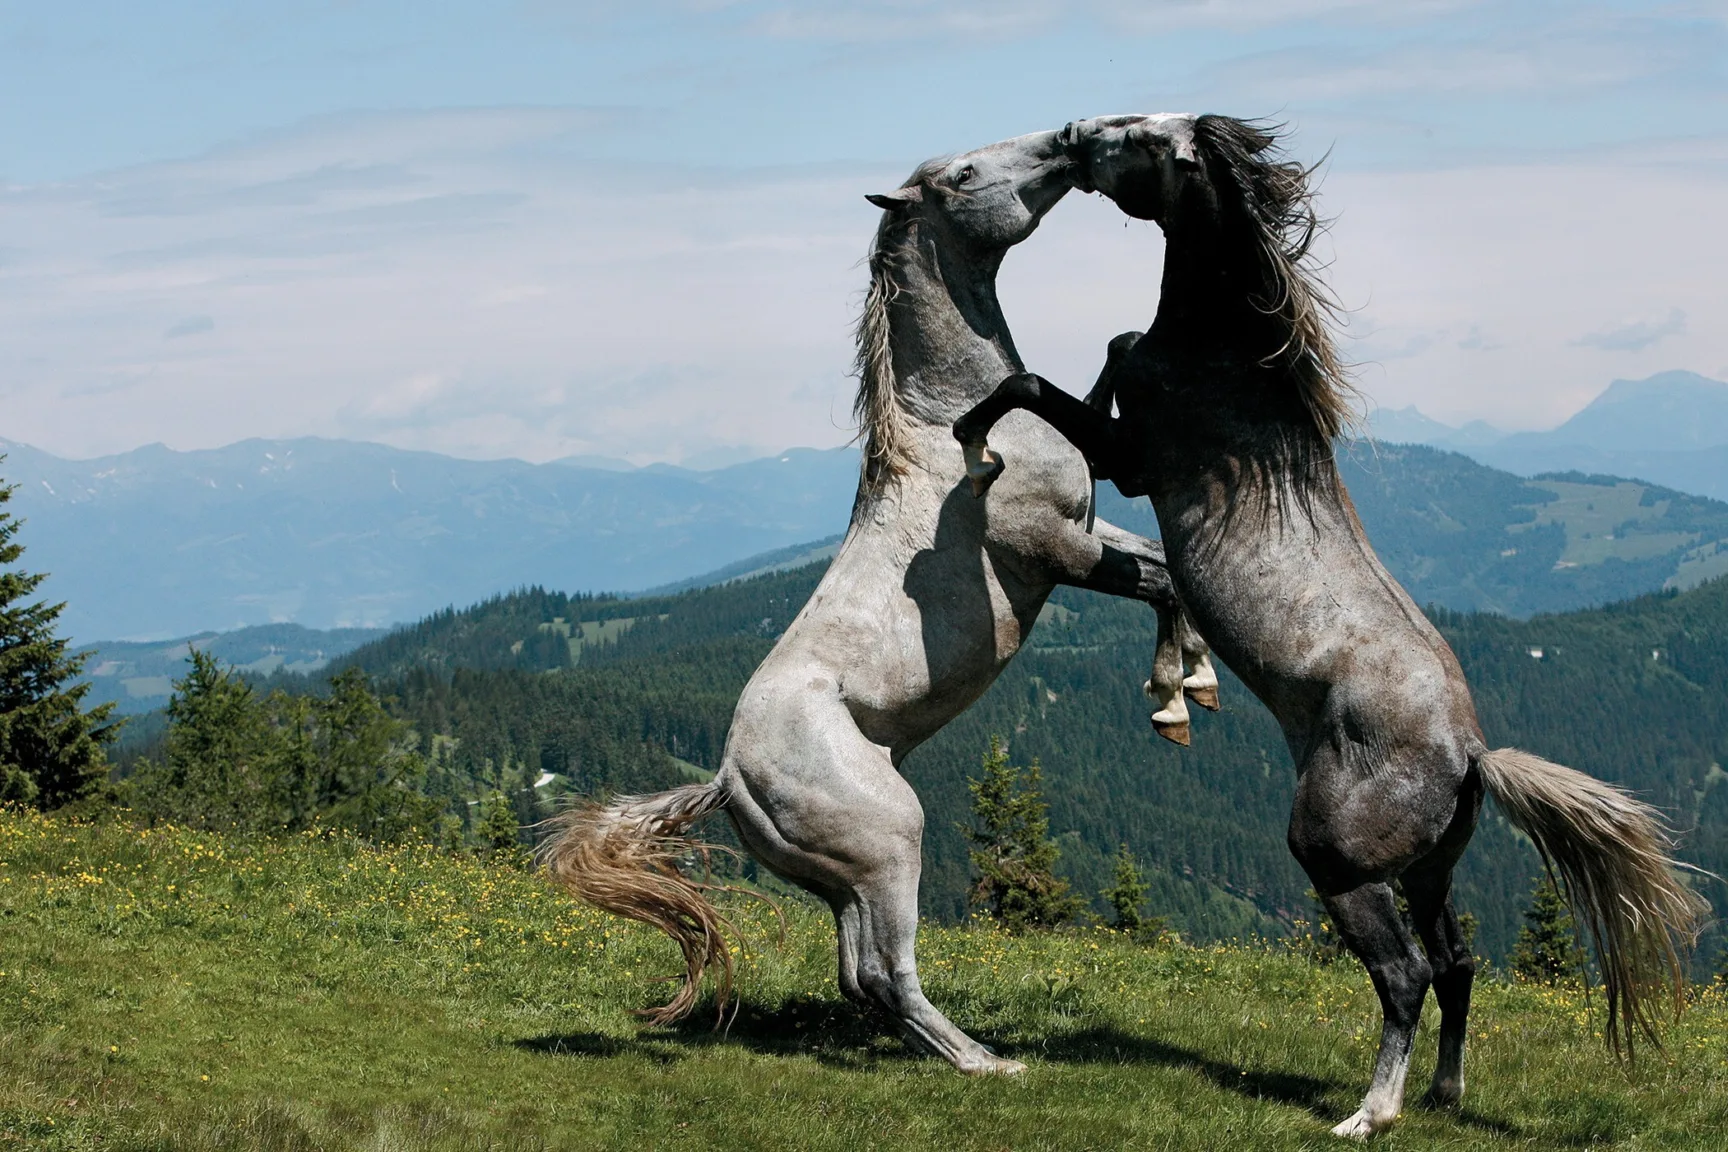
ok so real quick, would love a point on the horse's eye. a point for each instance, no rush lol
(965, 176)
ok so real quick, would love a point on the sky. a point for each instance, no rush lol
(537, 229)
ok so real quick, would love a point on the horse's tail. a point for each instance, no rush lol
(1611, 851)
(623, 856)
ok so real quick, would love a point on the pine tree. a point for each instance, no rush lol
(497, 831)
(1547, 951)
(1012, 851)
(223, 763)
(1127, 893)
(52, 750)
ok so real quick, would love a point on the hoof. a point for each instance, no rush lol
(1207, 698)
(1360, 1127)
(992, 1065)
(982, 467)
(1176, 733)
(1443, 1094)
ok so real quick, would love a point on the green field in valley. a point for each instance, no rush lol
(161, 988)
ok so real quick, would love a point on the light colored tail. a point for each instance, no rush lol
(1611, 851)
(623, 856)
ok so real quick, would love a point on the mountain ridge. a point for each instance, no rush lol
(1670, 429)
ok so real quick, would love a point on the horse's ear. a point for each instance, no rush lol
(899, 198)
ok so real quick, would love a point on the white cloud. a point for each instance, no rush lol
(1635, 335)
(458, 282)
(1533, 256)
(444, 280)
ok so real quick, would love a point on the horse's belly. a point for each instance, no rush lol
(933, 649)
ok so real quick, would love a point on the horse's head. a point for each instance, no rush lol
(1229, 185)
(1144, 163)
(988, 199)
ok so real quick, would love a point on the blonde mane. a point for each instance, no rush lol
(882, 421)
(1273, 192)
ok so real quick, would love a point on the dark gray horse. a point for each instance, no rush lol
(1229, 408)
(931, 595)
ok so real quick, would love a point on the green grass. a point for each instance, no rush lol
(169, 989)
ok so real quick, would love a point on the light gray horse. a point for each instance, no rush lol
(931, 594)
(1271, 561)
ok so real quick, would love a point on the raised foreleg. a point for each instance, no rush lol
(1117, 562)
(1103, 394)
(1201, 681)
(1087, 428)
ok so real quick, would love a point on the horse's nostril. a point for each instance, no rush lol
(1069, 136)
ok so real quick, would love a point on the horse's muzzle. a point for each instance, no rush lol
(1074, 141)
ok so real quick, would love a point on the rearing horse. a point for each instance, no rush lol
(930, 596)
(1229, 407)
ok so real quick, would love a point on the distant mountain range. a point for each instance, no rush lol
(1671, 428)
(154, 543)
(326, 533)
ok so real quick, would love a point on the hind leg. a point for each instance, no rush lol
(1454, 967)
(1367, 919)
(877, 923)
(831, 813)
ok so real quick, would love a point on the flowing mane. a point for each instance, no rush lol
(881, 418)
(877, 410)
(1272, 193)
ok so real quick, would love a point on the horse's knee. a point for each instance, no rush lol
(1403, 986)
(1453, 977)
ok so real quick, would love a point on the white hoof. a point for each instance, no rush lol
(993, 1066)
(1361, 1126)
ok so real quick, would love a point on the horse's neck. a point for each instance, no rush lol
(1248, 442)
(950, 340)
(1205, 299)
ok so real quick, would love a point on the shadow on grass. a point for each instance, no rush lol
(839, 1035)
(834, 1033)
(601, 1045)
(1113, 1046)
(1326, 1099)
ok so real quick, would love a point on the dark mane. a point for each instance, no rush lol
(1254, 177)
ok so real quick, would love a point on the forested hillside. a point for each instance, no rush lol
(631, 694)
(1478, 539)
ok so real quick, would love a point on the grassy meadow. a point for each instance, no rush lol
(178, 990)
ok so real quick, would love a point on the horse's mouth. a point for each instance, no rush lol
(1074, 147)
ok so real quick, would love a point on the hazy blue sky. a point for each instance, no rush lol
(541, 228)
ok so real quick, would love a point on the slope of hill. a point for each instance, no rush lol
(138, 676)
(1636, 693)
(1471, 538)
(165, 989)
(156, 543)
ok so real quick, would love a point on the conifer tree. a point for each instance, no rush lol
(1012, 852)
(1548, 951)
(1127, 893)
(498, 828)
(52, 750)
